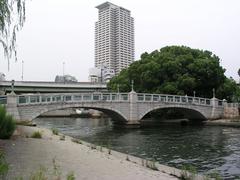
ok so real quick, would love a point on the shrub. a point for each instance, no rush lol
(55, 131)
(7, 124)
(36, 134)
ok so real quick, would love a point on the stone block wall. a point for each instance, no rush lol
(231, 111)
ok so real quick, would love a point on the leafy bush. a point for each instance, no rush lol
(7, 124)
(37, 134)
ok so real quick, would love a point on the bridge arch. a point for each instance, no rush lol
(116, 115)
(188, 112)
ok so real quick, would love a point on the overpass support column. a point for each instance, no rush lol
(133, 110)
(11, 106)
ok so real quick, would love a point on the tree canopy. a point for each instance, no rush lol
(12, 17)
(175, 70)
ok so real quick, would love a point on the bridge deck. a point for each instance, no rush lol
(108, 97)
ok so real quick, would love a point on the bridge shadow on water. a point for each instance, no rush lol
(172, 116)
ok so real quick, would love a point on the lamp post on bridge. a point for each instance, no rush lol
(194, 93)
(132, 84)
(213, 92)
(12, 86)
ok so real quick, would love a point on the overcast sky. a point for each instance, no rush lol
(58, 31)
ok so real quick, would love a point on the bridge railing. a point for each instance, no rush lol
(233, 105)
(3, 100)
(116, 97)
(141, 97)
(73, 97)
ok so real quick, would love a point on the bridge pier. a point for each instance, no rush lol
(11, 106)
(215, 114)
(133, 111)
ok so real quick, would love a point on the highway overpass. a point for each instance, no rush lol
(21, 87)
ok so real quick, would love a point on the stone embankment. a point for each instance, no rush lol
(26, 155)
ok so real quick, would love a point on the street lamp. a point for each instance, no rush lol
(12, 86)
(213, 92)
(194, 93)
(132, 83)
(22, 69)
(63, 72)
(63, 69)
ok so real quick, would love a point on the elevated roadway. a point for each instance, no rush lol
(32, 87)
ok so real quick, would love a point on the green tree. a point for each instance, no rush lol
(12, 17)
(229, 90)
(174, 70)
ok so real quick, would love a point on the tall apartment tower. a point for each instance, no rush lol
(114, 38)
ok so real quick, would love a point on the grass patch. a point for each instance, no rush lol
(25, 123)
(214, 175)
(76, 141)
(151, 165)
(93, 146)
(55, 131)
(62, 138)
(70, 176)
(188, 172)
(49, 174)
(36, 134)
(3, 166)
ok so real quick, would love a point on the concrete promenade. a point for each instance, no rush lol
(26, 155)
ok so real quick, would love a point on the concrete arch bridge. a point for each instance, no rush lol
(128, 108)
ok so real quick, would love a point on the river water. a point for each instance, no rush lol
(208, 148)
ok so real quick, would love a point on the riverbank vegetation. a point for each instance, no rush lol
(3, 165)
(7, 124)
(36, 134)
(178, 70)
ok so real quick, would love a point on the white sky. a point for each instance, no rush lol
(58, 31)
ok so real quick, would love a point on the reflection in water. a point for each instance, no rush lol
(206, 148)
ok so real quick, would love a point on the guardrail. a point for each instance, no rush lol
(83, 97)
(235, 105)
(175, 99)
(3, 100)
(116, 97)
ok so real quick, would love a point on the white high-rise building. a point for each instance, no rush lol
(114, 38)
